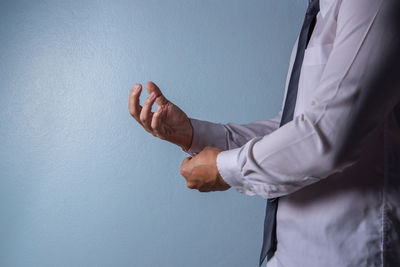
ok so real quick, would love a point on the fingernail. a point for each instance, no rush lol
(158, 110)
(152, 95)
(137, 87)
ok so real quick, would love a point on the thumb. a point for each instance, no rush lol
(160, 98)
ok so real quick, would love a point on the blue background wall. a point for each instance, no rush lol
(81, 184)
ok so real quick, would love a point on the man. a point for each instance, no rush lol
(331, 158)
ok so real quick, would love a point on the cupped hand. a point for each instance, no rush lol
(168, 122)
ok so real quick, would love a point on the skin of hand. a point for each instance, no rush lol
(168, 122)
(201, 171)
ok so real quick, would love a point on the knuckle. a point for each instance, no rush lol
(183, 171)
(191, 185)
(143, 119)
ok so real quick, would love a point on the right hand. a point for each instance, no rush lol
(168, 122)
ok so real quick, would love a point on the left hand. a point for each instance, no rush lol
(201, 171)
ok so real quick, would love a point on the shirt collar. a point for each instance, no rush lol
(325, 5)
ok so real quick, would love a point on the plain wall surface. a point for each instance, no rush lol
(81, 183)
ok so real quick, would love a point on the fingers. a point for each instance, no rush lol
(146, 114)
(156, 122)
(150, 122)
(185, 166)
(153, 88)
(134, 105)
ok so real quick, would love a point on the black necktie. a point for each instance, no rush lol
(269, 240)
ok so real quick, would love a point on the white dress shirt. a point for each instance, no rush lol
(337, 172)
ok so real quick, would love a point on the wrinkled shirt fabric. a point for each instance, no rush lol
(336, 166)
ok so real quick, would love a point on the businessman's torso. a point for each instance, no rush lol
(351, 218)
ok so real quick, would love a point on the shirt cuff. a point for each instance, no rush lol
(206, 133)
(229, 169)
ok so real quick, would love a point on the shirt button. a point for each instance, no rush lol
(312, 103)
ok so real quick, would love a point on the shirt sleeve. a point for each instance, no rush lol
(228, 136)
(312, 146)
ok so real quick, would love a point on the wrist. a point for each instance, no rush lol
(187, 137)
